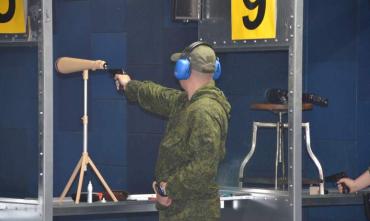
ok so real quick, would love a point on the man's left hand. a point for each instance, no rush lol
(164, 201)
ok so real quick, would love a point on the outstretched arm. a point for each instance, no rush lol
(357, 184)
(150, 96)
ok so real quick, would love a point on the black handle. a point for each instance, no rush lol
(345, 188)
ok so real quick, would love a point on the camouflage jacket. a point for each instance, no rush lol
(192, 146)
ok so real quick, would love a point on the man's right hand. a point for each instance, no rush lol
(121, 80)
(348, 182)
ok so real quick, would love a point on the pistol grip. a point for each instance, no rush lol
(345, 188)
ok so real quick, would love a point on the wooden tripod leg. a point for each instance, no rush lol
(102, 179)
(70, 181)
(80, 181)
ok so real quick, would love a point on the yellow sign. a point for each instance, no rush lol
(253, 19)
(12, 16)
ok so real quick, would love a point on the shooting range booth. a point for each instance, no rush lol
(280, 157)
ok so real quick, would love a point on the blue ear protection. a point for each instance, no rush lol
(183, 69)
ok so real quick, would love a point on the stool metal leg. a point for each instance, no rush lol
(281, 144)
(313, 157)
(278, 152)
(249, 155)
(253, 148)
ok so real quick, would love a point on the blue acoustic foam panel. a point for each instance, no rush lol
(325, 19)
(108, 132)
(142, 149)
(258, 72)
(144, 28)
(141, 121)
(342, 101)
(73, 29)
(108, 17)
(15, 162)
(69, 102)
(68, 150)
(112, 48)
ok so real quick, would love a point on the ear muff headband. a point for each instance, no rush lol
(183, 69)
(193, 45)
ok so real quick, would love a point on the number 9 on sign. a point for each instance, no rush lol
(253, 19)
(12, 16)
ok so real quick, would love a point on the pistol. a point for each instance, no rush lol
(335, 178)
(115, 71)
(158, 189)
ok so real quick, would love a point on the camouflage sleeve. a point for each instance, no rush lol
(152, 97)
(204, 144)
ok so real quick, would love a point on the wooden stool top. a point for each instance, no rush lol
(278, 107)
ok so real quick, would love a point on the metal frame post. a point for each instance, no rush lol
(289, 37)
(40, 35)
(295, 112)
(45, 55)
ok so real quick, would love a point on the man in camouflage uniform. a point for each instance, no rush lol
(194, 140)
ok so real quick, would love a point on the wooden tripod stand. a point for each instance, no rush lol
(85, 160)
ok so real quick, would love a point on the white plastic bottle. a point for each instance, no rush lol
(89, 192)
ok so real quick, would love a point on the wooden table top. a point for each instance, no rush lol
(278, 107)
